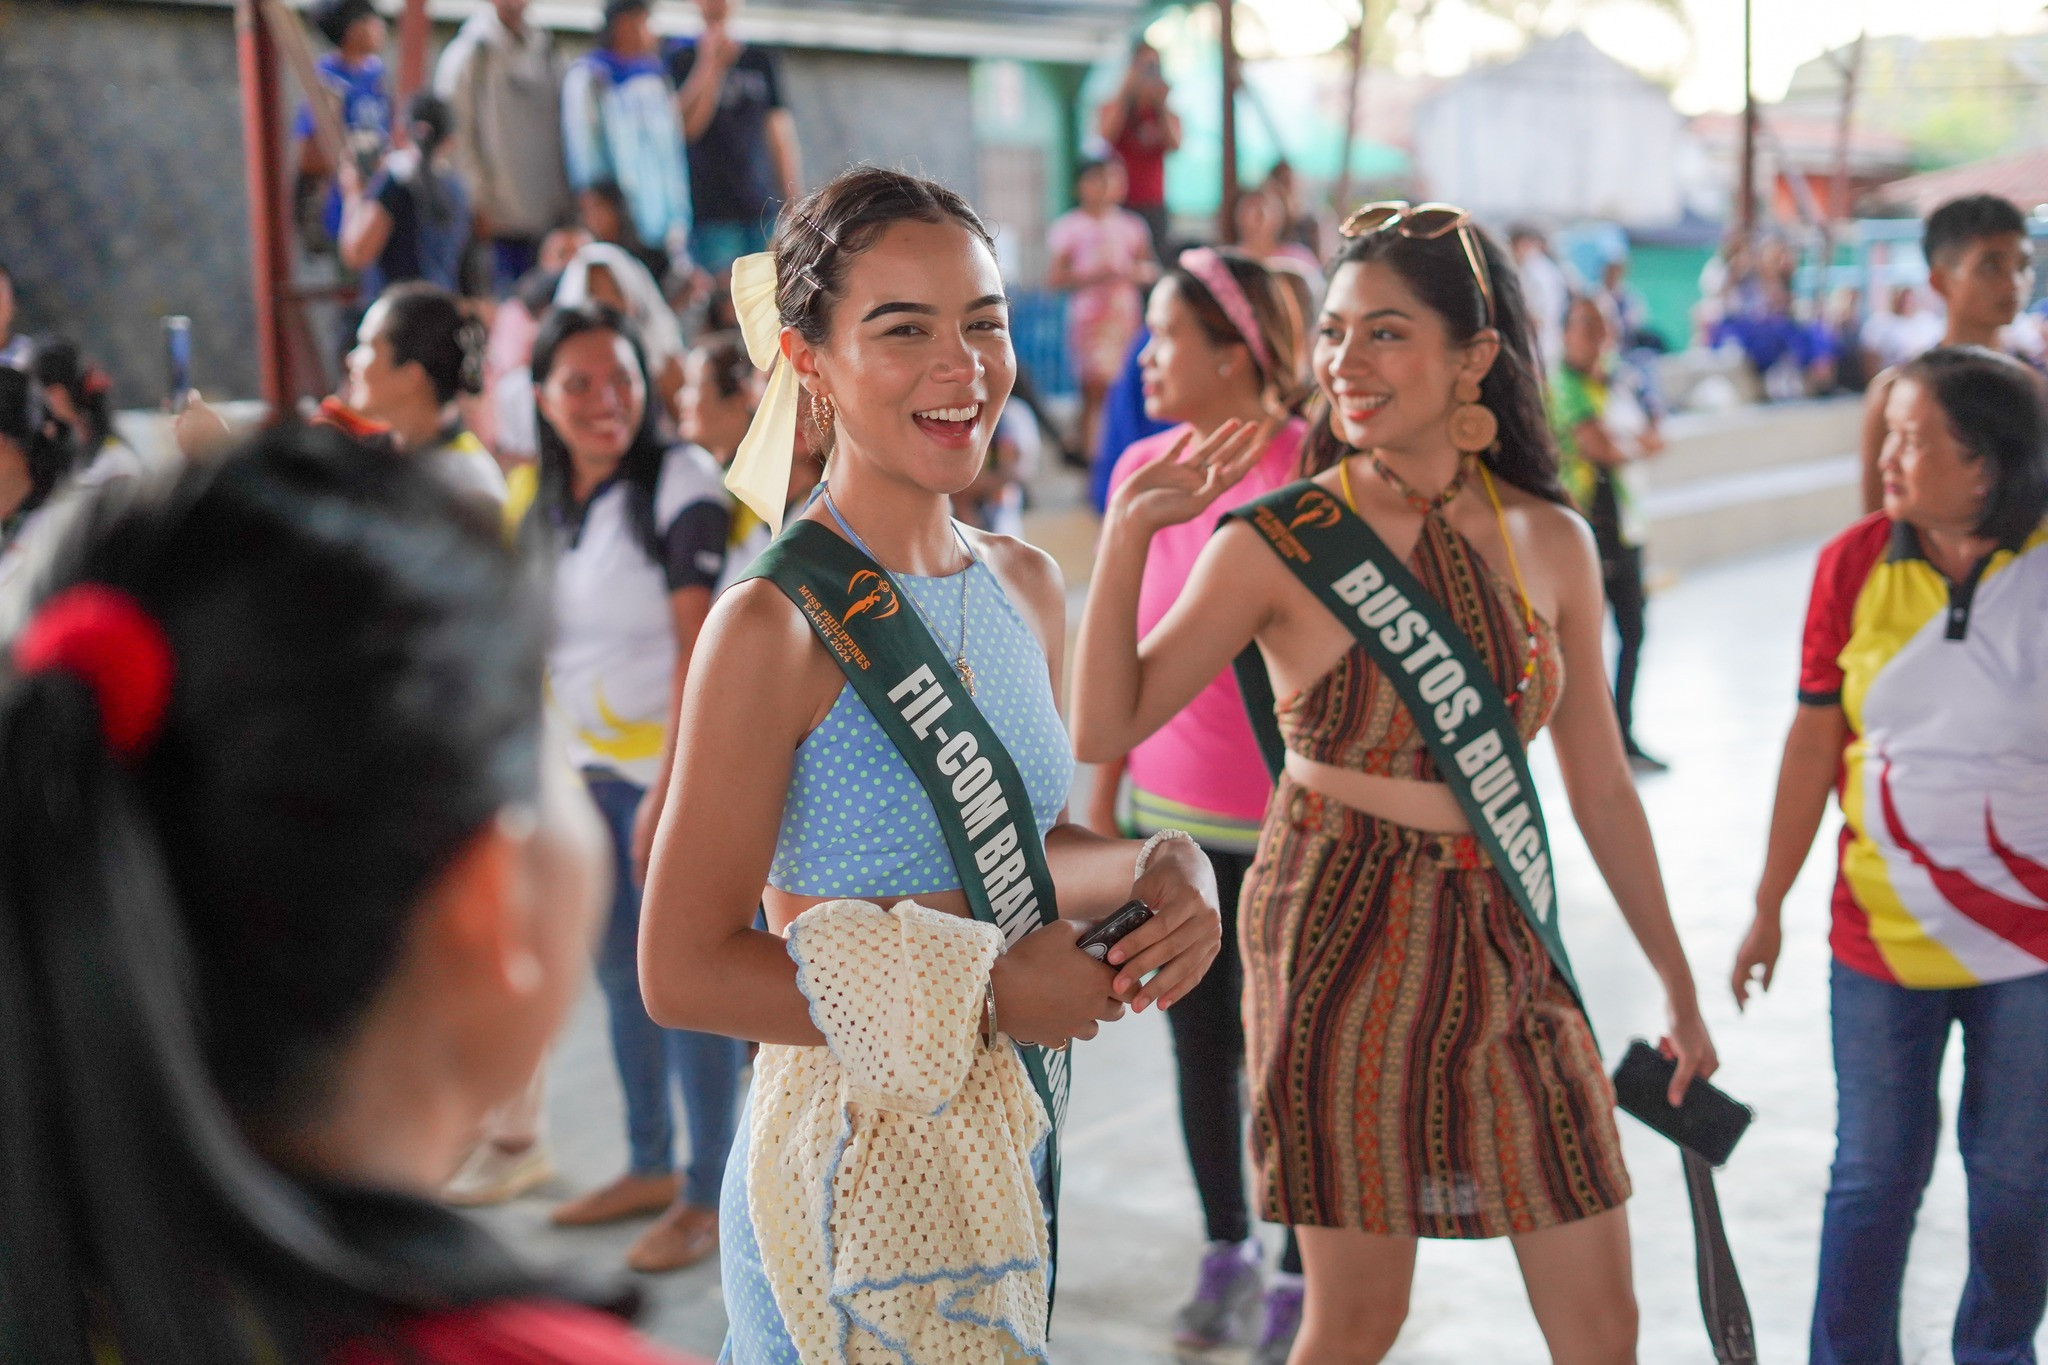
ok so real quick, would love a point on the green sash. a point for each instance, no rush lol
(908, 685)
(1441, 680)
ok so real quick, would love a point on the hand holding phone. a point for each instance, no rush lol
(1112, 928)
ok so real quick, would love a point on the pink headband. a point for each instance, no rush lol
(1207, 265)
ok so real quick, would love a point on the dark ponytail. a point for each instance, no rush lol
(59, 364)
(431, 120)
(26, 421)
(426, 323)
(190, 937)
(1525, 454)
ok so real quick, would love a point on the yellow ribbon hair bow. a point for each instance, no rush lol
(759, 476)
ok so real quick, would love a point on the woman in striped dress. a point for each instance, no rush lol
(1420, 1067)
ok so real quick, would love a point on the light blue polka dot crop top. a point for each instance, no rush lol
(856, 821)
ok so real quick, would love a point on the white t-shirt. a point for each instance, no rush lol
(464, 465)
(612, 666)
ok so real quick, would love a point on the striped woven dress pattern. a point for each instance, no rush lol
(1419, 1068)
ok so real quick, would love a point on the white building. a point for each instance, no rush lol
(1559, 133)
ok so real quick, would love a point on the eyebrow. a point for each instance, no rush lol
(926, 310)
(1376, 313)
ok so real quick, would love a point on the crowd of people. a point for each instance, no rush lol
(567, 633)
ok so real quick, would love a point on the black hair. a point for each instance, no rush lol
(59, 364)
(536, 289)
(1275, 311)
(1525, 453)
(1954, 225)
(336, 17)
(431, 120)
(817, 241)
(1089, 166)
(426, 323)
(639, 467)
(190, 937)
(26, 422)
(726, 362)
(1995, 406)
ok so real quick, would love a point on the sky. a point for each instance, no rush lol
(1701, 56)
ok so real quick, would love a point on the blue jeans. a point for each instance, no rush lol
(705, 1065)
(1888, 1047)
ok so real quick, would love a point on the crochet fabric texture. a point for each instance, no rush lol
(889, 1180)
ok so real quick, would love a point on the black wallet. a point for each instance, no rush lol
(1709, 1123)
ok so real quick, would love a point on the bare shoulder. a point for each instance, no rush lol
(756, 642)
(1556, 532)
(1030, 575)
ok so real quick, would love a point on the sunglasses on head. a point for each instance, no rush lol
(1424, 223)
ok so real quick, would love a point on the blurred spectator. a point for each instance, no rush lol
(502, 78)
(601, 211)
(1547, 289)
(1103, 253)
(1593, 469)
(1792, 356)
(13, 347)
(408, 219)
(609, 275)
(504, 422)
(1628, 312)
(1980, 263)
(33, 457)
(1140, 129)
(417, 353)
(620, 124)
(1124, 420)
(995, 500)
(1262, 235)
(721, 389)
(1892, 336)
(354, 76)
(80, 395)
(1845, 325)
(1298, 225)
(744, 157)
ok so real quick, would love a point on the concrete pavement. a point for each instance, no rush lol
(1715, 697)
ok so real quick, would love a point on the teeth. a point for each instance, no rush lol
(952, 414)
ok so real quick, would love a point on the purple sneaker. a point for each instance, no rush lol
(1224, 1295)
(1283, 1320)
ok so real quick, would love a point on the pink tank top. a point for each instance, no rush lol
(1205, 757)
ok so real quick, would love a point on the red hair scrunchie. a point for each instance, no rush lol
(104, 638)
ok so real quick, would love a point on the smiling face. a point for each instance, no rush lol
(1178, 367)
(594, 398)
(1386, 361)
(918, 361)
(1931, 479)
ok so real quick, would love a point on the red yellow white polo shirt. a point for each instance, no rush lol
(1944, 782)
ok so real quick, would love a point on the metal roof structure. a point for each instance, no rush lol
(1073, 31)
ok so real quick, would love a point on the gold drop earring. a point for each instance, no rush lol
(1474, 428)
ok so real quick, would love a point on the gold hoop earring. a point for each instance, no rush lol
(1474, 428)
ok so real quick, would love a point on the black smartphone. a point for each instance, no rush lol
(1111, 928)
(1708, 1123)
(178, 358)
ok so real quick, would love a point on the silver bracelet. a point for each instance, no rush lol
(1145, 853)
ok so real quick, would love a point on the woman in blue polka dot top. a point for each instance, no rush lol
(787, 793)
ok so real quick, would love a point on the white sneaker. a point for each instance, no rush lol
(493, 1175)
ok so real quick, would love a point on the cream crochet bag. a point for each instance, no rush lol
(890, 1180)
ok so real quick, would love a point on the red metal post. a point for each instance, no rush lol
(263, 142)
(413, 33)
